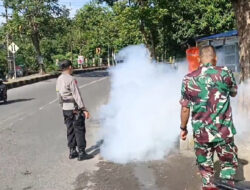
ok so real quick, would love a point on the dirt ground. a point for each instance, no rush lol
(177, 172)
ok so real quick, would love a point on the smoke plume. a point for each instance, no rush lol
(241, 111)
(142, 117)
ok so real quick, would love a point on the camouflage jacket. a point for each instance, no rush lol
(207, 92)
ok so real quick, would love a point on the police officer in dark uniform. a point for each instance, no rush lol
(74, 111)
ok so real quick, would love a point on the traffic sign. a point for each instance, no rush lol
(80, 60)
(13, 47)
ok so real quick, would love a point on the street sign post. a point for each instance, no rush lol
(13, 48)
(80, 61)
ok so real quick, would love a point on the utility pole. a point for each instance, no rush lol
(71, 37)
(108, 57)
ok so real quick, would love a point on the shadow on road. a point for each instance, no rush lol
(239, 175)
(95, 149)
(95, 74)
(16, 101)
(243, 185)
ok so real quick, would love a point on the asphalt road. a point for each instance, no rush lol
(34, 155)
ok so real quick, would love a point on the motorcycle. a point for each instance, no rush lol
(3, 91)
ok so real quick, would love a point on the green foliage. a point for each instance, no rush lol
(52, 68)
(92, 29)
(166, 24)
(3, 61)
(126, 25)
(43, 28)
(33, 22)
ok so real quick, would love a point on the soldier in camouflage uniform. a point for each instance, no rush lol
(206, 92)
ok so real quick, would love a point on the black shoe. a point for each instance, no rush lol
(73, 153)
(84, 156)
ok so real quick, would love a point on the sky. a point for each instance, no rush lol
(74, 5)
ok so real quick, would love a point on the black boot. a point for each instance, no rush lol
(83, 155)
(73, 153)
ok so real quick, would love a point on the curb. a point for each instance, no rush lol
(20, 83)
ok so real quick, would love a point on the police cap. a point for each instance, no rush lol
(65, 64)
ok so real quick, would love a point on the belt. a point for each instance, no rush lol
(69, 101)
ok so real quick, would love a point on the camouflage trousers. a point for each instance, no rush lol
(227, 154)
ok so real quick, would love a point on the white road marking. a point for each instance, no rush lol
(53, 101)
(93, 82)
(41, 108)
(83, 86)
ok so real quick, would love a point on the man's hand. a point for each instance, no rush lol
(233, 94)
(184, 120)
(87, 115)
(184, 135)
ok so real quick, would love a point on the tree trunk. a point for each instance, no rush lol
(242, 10)
(153, 44)
(36, 43)
(148, 35)
(148, 38)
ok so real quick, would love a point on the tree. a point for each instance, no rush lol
(35, 19)
(166, 24)
(108, 28)
(42, 28)
(125, 26)
(193, 18)
(90, 28)
(242, 10)
(3, 61)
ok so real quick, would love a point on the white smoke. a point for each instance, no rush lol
(142, 117)
(241, 103)
(241, 110)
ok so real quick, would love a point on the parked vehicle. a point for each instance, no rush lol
(3, 91)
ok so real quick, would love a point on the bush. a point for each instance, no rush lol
(52, 68)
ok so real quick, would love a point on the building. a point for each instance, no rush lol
(227, 48)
